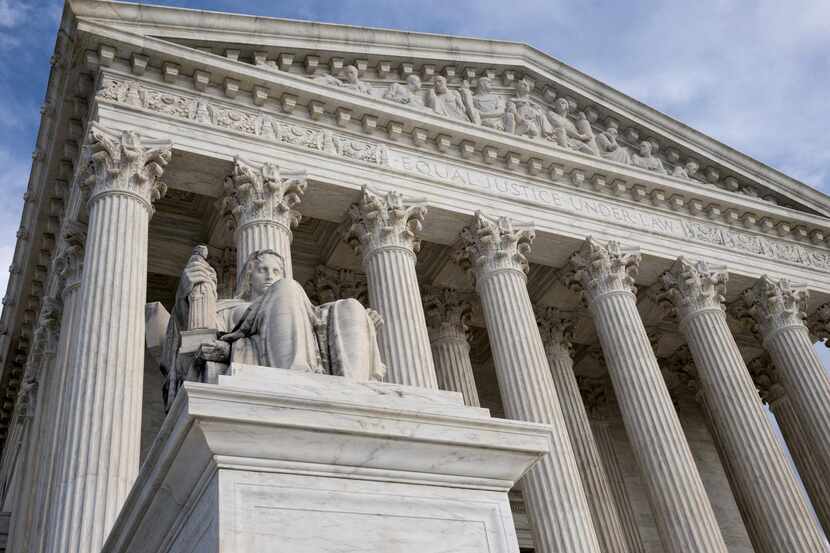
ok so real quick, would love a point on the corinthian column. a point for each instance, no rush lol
(68, 265)
(685, 520)
(815, 481)
(383, 233)
(447, 315)
(777, 311)
(107, 361)
(494, 251)
(779, 514)
(259, 205)
(556, 336)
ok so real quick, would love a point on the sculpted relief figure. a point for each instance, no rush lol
(446, 102)
(523, 116)
(645, 159)
(686, 171)
(351, 80)
(484, 107)
(609, 148)
(566, 134)
(409, 93)
(270, 323)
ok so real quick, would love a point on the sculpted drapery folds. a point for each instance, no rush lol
(445, 101)
(524, 117)
(271, 323)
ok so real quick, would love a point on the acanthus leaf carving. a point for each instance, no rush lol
(262, 193)
(124, 162)
(689, 287)
(556, 330)
(329, 284)
(448, 313)
(772, 305)
(385, 220)
(596, 269)
(491, 244)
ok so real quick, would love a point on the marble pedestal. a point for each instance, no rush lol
(271, 458)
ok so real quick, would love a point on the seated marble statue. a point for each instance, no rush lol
(444, 101)
(485, 107)
(523, 116)
(647, 160)
(271, 323)
(409, 94)
(352, 80)
(566, 133)
(609, 148)
(687, 170)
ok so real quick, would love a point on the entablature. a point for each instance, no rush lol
(383, 58)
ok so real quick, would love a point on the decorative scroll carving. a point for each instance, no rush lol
(328, 285)
(556, 331)
(262, 193)
(448, 313)
(239, 120)
(491, 244)
(820, 323)
(385, 220)
(771, 305)
(690, 287)
(126, 163)
(596, 270)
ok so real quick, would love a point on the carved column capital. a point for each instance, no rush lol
(765, 377)
(329, 284)
(382, 221)
(556, 331)
(69, 261)
(262, 193)
(597, 396)
(596, 269)
(49, 326)
(491, 245)
(819, 323)
(124, 163)
(689, 287)
(770, 306)
(447, 312)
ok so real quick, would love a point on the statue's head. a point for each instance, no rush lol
(413, 82)
(351, 73)
(262, 269)
(645, 148)
(440, 85)
(484, 85)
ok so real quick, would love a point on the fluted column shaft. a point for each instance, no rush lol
(383, 232)
(447, 313)
(558, 509)
(555, 497)
(454, 369)
(594, 479)
(66, 397)
(107, 361)
(778, 311)
(774, 502)
(815, 481)
(605, 445)
(737, 490)
(684, 516)
(807, 384)
(394, 293)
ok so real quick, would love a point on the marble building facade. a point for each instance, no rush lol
(548, 248)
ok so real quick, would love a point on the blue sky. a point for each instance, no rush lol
(753, 74)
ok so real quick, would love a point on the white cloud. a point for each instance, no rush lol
(12, 12)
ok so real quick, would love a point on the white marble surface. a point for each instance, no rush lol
(320, 463)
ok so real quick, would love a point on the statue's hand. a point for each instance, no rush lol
(217, 350)
(197, 271)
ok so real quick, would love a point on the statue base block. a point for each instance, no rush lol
(277, 460)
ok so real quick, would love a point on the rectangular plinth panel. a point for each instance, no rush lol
(270, 459)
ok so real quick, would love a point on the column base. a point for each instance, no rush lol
(307, 463)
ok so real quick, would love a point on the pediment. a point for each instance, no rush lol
(593, 119)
